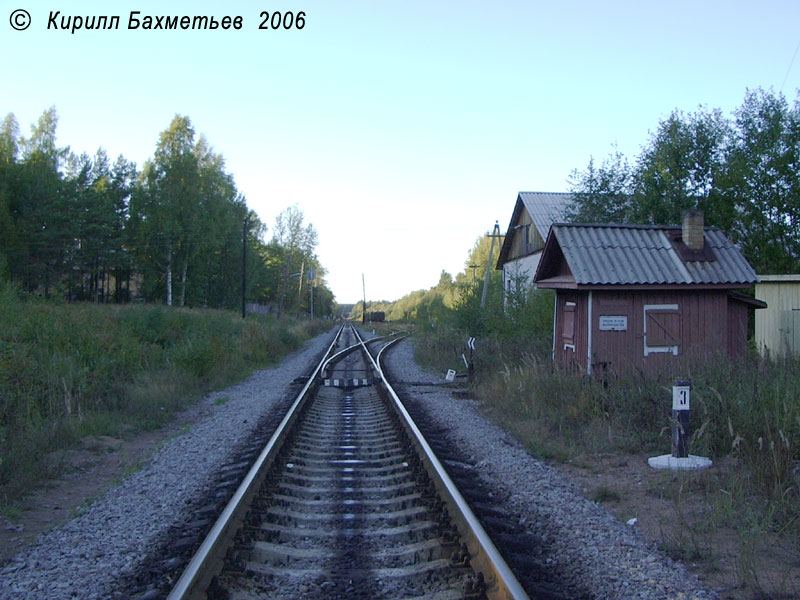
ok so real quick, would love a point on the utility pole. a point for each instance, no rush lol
(300, 285)
(495, 234)
(244, 267)
(364, 291)
(311, 276)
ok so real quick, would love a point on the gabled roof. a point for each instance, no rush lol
(630, 255)
(545, 208)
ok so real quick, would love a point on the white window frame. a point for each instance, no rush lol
(574, 325)
(657, 349)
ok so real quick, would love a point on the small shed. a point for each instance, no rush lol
(778, 327)
(638, 296)
(534, 213)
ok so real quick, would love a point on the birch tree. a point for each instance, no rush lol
(165, 205)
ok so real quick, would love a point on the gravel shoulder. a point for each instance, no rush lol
(594, 554)
(87, 555)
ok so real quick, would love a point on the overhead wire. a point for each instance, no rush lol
(791, 62)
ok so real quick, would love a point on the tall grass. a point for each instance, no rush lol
(746, 409)
(67, 371)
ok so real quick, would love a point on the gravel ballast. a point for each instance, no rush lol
(86, 557)
(593, 553)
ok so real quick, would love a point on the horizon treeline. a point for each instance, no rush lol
(83, 228)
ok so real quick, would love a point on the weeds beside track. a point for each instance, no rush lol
(746, 414)
(72, 370)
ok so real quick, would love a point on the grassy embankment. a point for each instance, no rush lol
(747, 412)
(69, 371)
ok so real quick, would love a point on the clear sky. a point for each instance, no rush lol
(403, 130)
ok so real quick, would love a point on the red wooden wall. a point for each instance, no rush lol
(662, 328)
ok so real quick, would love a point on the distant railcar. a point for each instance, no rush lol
(376, 316)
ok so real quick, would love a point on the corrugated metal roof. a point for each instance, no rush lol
(545, 208)
(643, 254)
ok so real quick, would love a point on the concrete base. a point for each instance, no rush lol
(690, 463)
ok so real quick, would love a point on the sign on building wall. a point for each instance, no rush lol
(613, 323)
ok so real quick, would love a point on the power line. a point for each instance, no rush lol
(791, 62)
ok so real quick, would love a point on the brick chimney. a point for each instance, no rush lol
(692, 231)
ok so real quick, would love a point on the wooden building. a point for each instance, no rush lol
(778, 327)
(637, 297)
(534, 213)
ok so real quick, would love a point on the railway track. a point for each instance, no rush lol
(347, 501)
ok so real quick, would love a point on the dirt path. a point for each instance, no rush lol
(99, 463)
(681, 513)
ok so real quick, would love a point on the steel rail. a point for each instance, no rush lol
(208, 559)
(333, 358)
(484, 556)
